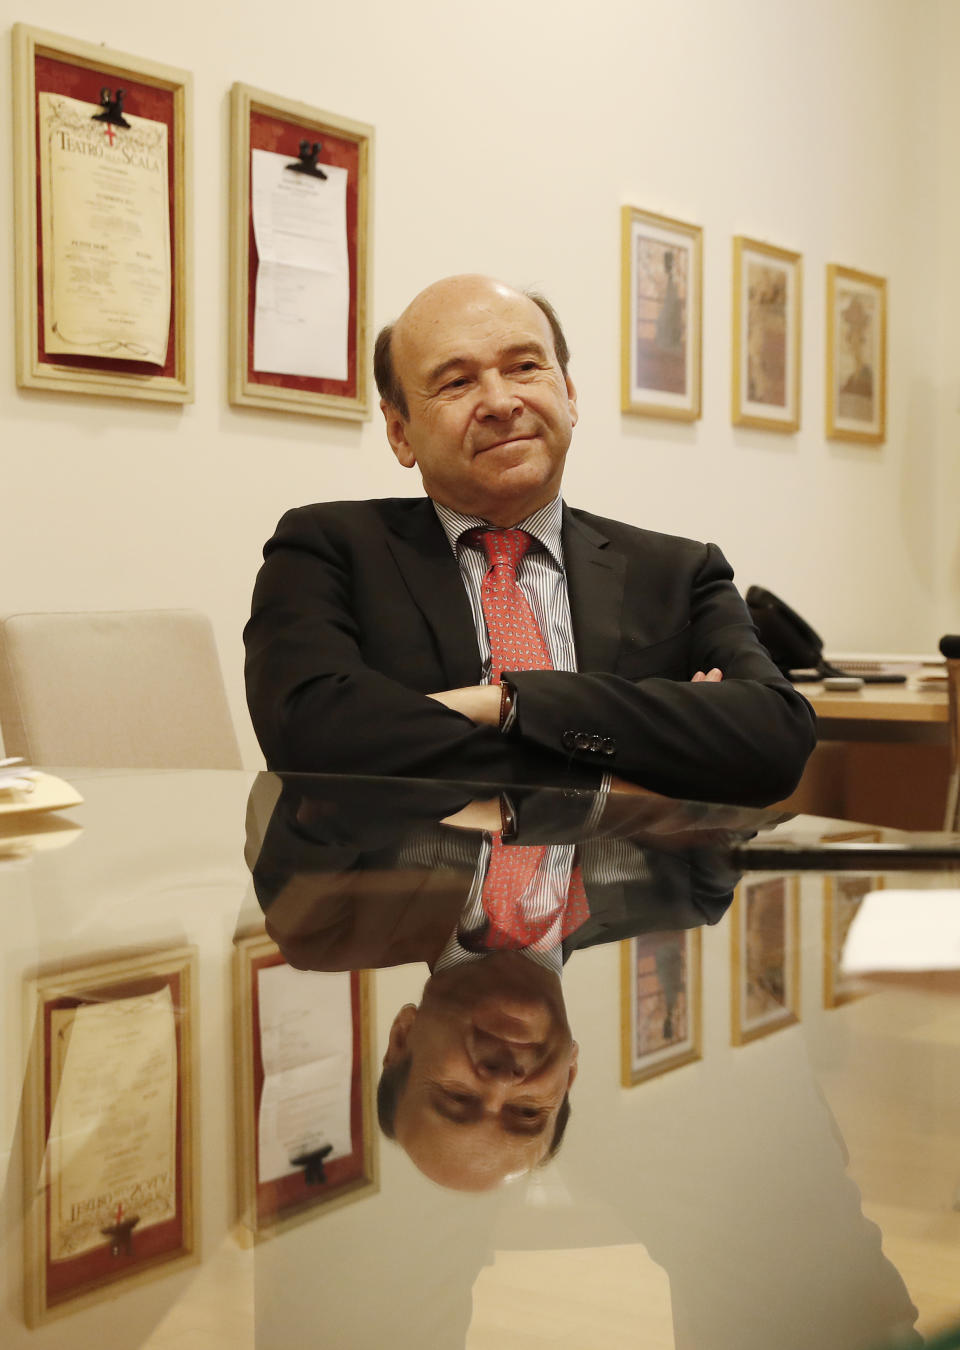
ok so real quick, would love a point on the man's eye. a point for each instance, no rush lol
(458, 383)
(527, 1113)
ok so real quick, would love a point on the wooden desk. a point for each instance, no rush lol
(883, 755)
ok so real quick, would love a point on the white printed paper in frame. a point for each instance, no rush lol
(660, 984)
(765, 957)
(767, 299)
(661, 288)
(856, 356)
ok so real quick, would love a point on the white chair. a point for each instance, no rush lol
(124, 689)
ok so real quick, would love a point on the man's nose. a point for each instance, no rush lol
(497, 1060)
(497, 398)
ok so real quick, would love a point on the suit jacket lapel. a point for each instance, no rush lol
(595, 581)
(433, 579)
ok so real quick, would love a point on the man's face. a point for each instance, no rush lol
(491, 1059)
(490, 414)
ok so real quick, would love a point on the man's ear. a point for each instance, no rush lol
(397, 1041)
(397, 435)
(571, 399)
(574, 1056)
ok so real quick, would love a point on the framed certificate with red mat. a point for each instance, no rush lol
(300, 251)
(304, 1083)
(101, 203)
(110, 1181)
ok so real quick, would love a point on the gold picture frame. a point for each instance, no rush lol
(50, 63)
(661, 1003)
(765, 957)
(767, 328)
(259, 120)
(843, 894)
(309, 1185)
(91, 1222)
(660, 316)
(856, 383)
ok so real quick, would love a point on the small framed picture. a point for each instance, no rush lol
(843, 895)
(304, 1084)
(767, 304)
(856, 356)
(662, 282)
(765, 957)
(660, 997)
(110, 1178)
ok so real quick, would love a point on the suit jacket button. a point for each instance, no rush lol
(582, 741)
(569, 740)
(609, 746)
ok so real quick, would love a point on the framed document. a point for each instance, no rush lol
(660, 315)
(103, 260)
(304, 1083)
(843, 894)
(765, 952)
(300, 257)
(660, 1000)
(856, 356)
(767, 303)
(110, 1182)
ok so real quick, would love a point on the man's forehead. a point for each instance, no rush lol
(452, 317)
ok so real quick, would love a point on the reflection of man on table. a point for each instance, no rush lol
(491, 625)
(354, 873)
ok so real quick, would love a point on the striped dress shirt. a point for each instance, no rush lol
(543, 581)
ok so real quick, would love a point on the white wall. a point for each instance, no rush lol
(507, 139)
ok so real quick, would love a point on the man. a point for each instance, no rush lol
(370, 647)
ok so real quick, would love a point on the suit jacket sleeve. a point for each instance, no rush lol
(743, 740)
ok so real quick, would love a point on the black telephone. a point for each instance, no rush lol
(793, 644)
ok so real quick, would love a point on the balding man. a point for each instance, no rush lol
(490, 626)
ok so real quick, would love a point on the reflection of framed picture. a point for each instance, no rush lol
(304, 1081)
(765, 948)
(110, 1182)
(300, 251)
(843, 895)
(660, 1003)
(102, 215)
(767, 303)
(660, 316)
(856, 356)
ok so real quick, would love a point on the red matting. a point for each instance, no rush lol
(268, 132)
(94, 1269)
(58, 76)
(287, 1195)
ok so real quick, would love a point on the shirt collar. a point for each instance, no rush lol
(544, 525)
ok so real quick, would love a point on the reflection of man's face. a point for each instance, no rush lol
(490, 413)
(491, 1059)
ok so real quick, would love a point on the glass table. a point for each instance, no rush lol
(658, 1073)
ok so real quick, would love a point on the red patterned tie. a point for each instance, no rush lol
(512, 869)
(516, 642)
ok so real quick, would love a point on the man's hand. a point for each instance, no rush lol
(712, 677)
(479, 702)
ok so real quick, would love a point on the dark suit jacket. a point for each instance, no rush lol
(359, 610)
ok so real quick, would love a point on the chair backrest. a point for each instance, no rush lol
(124, 689)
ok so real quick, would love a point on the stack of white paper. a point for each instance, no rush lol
(16, 776)
(904, 930)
